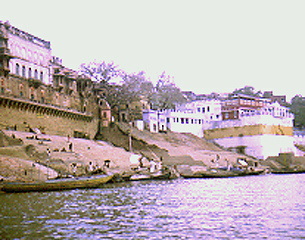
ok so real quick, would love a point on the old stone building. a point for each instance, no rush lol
(38, 91)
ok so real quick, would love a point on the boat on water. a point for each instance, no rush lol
(93, 181)
(223, 173)
(288, 171)
(150, 176)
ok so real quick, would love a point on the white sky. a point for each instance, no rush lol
(207, 46)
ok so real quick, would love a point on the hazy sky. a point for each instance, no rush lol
(207, 46)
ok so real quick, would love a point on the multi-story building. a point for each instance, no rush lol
(36, 90)
(237, 104)
(191, 116)
(246, 124)
(187, 118)
(281, 99)
(261, 131)
(32, 55)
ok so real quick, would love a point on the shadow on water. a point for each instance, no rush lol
(248, 207)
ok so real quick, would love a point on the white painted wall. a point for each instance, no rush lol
(150, 118)
(261, 146)
(30, 55)
(252, 119)
(185, 122)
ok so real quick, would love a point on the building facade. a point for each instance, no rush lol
(245, 124)
(266, 131)
(37, 91)
(189, 118)
(237, 104)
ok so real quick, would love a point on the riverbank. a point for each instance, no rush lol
(42, 156)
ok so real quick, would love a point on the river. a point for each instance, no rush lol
(254, 207)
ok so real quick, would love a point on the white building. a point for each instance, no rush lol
(32, 55)
(187, 118)
(264, 132)
(154, 121)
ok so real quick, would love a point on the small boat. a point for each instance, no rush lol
(57, 184)
(288, 171)
(223, 173)
(211, 174)
(150, 176)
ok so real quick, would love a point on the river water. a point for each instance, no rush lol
(256, 207)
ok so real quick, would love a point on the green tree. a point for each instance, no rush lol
(298, 109)
(248, 90)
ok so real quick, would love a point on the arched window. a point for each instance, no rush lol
(21, 90)
(42, 93)
(17, 69)
(36, 74)
(41, 76)
(23, 71)
(30, 72)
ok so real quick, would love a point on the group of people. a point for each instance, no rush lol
(91, 169)
(153, 166)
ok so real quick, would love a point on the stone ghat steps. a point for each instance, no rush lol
(83, 150)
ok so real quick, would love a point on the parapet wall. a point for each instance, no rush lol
(250, 120)
(250, 130)
(23, 116)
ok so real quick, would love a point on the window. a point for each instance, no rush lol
(17, 69)
(187, 121)
(203, 110)
(23, 71)
(21, 90)
(208, 108)
(198, 109)
(30, 72)
(41, 76)
(182, 120)
(36, 74)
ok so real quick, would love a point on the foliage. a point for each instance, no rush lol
(166, 94)
(248, 90)
(136, 86)
(298, 109)
(101, 72)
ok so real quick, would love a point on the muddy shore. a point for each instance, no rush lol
(34, 157)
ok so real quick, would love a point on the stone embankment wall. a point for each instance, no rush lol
(251, 130)
(53, 122)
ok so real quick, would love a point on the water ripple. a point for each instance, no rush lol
(262, 207)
